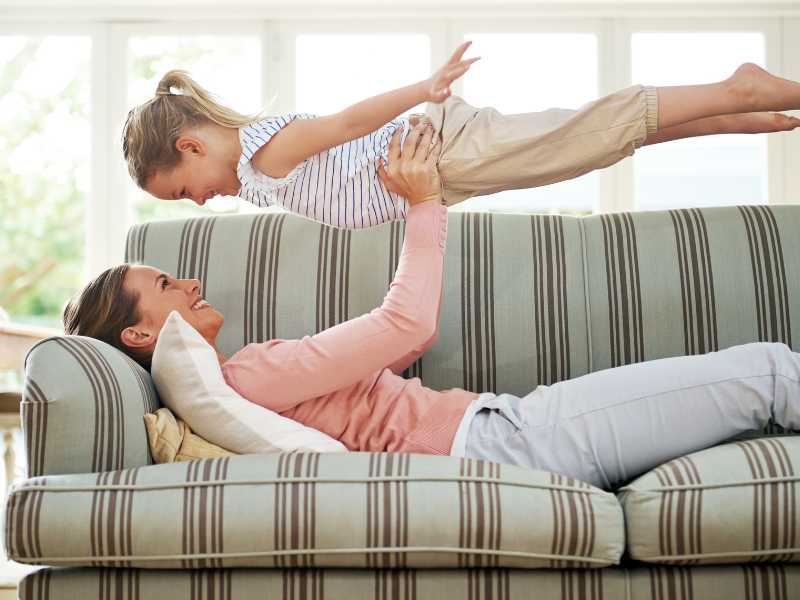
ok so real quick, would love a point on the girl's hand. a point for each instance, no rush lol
(413, 174)
(439, 83)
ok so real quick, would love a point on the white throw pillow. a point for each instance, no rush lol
(189, 380)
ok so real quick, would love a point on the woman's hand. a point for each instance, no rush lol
(438, 86)
(413, 174)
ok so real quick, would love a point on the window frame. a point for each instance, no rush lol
(277, 26)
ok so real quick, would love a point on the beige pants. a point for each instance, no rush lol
(484, 151)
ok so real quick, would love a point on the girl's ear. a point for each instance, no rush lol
(190, 144)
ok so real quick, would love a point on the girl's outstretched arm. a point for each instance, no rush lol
(306, 137)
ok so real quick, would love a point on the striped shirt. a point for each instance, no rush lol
(339, 186)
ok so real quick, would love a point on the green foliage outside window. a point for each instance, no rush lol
(42, 197)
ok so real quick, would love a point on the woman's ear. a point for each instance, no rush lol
(190, 144)
(137, 337)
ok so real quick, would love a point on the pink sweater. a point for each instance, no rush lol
(345, 381)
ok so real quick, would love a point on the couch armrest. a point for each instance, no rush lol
(82, 408)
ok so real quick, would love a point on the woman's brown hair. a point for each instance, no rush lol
(103, 309)
(152, 128)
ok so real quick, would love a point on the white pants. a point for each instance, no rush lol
(609, 426)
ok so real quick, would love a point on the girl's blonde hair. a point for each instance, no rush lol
(152, 128)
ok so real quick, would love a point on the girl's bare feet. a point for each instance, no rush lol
(754, 122)
(757, 122)
(758, 90)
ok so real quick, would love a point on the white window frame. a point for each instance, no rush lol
(277, 26)
(599, 27)
(770, 28)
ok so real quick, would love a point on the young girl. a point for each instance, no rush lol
(183, 144)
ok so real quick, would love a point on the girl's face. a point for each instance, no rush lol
(201, 174)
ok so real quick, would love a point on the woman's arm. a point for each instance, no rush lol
(306, 137)
(280, 374)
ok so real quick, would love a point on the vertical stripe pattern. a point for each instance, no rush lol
(766, 582)
(387, 510)
(119, 584)
(774, 504)
(302, 584)
(671, 583)
(203, 511)
(108, 448)
(697, 281)
(769, 274)
(195, 246)
(680, 514)
(22, 524)
(477, 302)
(480, 513)
(333, 277)
(135, 243)
(111, 518)
(574, 527)
(395, 584)
(261, 280)
(34, 420)
(549, 302)
(211, 584)
(296, 509)
(579, 584)
(488, 584)
(624, 293)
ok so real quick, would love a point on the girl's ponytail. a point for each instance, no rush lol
(152, 128)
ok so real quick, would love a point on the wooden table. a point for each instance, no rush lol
(15, 341)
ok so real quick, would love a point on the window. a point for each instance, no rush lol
(708, 170)
(336, 70)
(525, 72)
(44, 177)
(227, 66)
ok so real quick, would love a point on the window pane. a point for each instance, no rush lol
(327, 79)
(526, 73)
(44, 177)
(227, 66)
(703, 171)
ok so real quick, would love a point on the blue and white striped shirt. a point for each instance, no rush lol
(339, 186)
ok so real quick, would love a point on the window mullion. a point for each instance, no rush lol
(104, 227)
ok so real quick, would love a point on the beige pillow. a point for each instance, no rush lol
(171, 439)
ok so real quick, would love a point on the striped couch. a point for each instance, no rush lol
(528, 300)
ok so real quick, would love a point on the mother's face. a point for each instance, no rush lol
(160, 294)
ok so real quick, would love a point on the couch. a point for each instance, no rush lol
(528, 300)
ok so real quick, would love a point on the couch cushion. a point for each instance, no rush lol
(338, 510)
(732, 503)
(752, 582)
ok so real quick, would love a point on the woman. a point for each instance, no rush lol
(604, 427)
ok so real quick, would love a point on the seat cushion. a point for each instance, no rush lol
(333, 509)
(732, 503)
(751, 582)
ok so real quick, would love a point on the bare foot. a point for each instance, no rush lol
(757, 122)
(759, 90)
